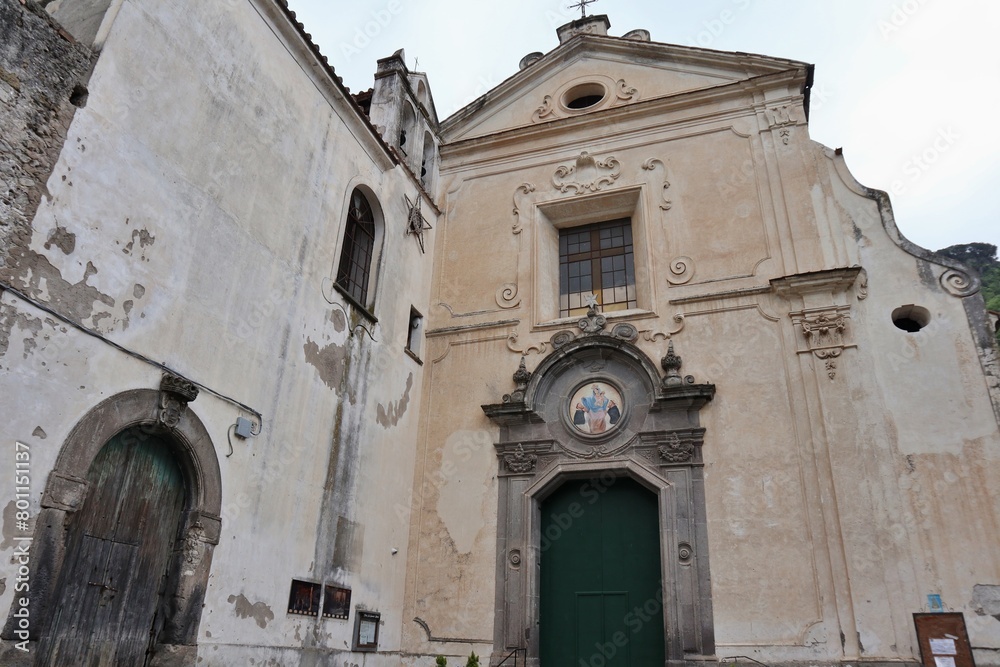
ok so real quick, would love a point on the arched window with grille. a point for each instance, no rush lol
(354, 275)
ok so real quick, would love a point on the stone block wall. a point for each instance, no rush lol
(43, 76)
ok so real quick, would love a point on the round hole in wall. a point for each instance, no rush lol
(911, 318)
(584, 96)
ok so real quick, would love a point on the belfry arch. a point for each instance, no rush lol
(650, 434)
(139, 418)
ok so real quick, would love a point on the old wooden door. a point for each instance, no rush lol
(601, 594)
(117, 552)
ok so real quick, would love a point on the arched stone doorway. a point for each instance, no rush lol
(636, 425)
(109, 592)
(135, 493)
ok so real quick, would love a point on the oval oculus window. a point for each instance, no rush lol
(584, 96)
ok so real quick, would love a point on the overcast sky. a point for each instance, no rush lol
(907, 87)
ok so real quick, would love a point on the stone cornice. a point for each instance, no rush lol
(828, 281)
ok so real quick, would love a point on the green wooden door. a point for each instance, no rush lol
(601, 592)
(116, 557)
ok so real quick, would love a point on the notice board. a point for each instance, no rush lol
(943, 640)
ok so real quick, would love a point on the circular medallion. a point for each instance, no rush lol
(596, 408)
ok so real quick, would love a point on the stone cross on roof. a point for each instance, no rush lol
(582, 4)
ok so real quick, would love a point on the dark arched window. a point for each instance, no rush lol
(359, 244)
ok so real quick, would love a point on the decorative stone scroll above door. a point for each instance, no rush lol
(598, 406)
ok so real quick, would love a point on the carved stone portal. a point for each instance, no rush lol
(655, 439)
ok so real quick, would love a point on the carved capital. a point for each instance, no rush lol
(675, 450)
(825, 333)
(520, 462)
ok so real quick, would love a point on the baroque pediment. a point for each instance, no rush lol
(596, 73)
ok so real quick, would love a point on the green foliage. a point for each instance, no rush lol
(441, 661)
(983, 258)
(473, 660)
(980, 256)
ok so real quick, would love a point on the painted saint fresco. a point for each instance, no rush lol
(596, 408)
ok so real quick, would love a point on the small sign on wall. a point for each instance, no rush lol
(366, 630)
(943, 639)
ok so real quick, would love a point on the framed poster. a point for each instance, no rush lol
(304, 598)
(943, 639)
(336, 602)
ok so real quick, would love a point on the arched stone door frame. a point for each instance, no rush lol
(658, 444)
(165, 414)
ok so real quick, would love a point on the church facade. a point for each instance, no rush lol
(614, 366)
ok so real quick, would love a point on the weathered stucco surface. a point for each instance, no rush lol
(847, 470)
(840, 490)
(170, 234)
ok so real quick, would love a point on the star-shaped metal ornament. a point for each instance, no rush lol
(416, 224)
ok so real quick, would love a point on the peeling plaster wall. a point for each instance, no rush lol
(195, 216)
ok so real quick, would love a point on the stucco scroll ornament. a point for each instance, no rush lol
(537, 348)
(587, 174)
(625, 91)
(543, 111)
(650, 165)
(681, 270)
(520, 461)
(594, 322)
(507, 297)
(521, 378)
(520, 192)
(676, 451)
(959, 283)
(862, 285)
(654, 336)
(175, 394)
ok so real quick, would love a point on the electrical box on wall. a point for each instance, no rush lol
(244, 428)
